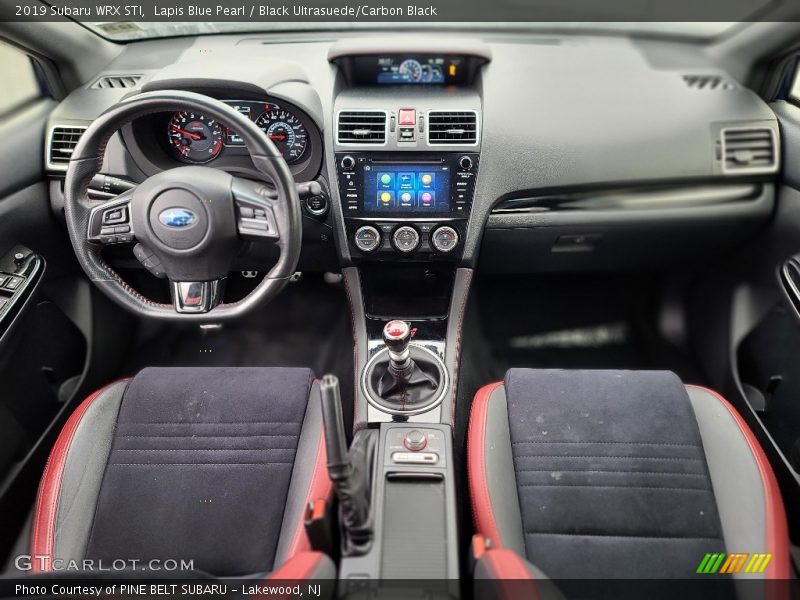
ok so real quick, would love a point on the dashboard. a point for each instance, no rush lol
(521, 152)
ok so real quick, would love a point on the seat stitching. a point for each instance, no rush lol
(605, 456)
(610, 471)
(635, 487)
(609, 442)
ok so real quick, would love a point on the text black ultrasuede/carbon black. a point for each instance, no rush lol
(200, 467)
(611, 474)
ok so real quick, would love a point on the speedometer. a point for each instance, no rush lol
(286, 132)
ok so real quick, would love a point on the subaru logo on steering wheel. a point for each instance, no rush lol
(177, 217)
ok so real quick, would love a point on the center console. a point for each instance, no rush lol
(406, 158)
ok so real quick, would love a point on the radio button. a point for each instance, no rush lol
(444, 239)
(367, 238)
(348, 162)
(406, 239)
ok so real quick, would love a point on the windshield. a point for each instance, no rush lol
(128, 30)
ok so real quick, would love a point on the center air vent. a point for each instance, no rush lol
(117, 82)
(362, 127)
(708, 82)
(749, 150)
(453, 128)
(60, 146)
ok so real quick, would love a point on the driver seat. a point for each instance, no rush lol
(209, 465)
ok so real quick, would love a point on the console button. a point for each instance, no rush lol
(317, 205)
(348, 162)
(415, 440)
(406, 239)
(444, 239)
(407, 116)
(12, 283)
(367, 238)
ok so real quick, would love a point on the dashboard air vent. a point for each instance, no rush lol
(107, 82)
(749, 150)
(61, 144)
(362, 127)
(708, 82)
(458, 127)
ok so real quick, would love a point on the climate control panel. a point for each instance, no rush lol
(412, 240)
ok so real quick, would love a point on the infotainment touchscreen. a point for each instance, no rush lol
(406, 188)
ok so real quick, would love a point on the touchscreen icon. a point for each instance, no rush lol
(386, 181)
(385, 199)
(405, 181)
(426, 180)
(406, 199)
(426, 199)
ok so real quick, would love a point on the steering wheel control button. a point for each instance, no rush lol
(367, 238)
(415, 440)
(406, 239)
(114, 216)
(444, 239)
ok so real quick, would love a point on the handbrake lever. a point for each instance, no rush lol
(348, 471)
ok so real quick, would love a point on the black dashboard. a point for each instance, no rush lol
(453, 149)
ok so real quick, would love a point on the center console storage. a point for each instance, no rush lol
(414, 514)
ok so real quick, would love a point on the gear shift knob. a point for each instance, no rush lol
(396, 336)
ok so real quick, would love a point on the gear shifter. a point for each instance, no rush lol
(402, 380)
(396, 336)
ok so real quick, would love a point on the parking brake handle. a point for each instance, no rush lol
(348, 471)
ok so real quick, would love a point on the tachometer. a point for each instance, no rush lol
(286, 132)
(194, 137)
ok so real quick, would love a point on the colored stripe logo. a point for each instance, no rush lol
(741, 562)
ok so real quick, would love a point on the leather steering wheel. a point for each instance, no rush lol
(189, 222)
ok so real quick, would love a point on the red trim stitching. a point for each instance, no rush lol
(46, 511)
(776, 535)
(482, 512)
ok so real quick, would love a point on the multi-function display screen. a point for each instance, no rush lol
(410, 70)
(400, 188)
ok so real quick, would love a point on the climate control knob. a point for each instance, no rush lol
(444, 239)
(405, 238)
(367, 238)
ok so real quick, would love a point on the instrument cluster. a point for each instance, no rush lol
(195, 138)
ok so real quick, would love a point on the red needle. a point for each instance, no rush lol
(194, 136)
(277, 137)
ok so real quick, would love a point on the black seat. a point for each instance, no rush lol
(211, 466)
(619, 474)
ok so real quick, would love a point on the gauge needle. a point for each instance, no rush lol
(194, 136)
(277, 137)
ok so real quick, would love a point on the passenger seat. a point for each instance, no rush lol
(618, 474)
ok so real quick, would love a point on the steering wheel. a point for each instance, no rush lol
(189, 222)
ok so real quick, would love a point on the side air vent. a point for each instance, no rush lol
(749, 150)
(453, 127)
(361, 127)
(108, 82)
(708, 82)
(60, 145)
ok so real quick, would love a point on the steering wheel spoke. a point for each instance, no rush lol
(110, 222)
(196, 296)
(257, 209)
